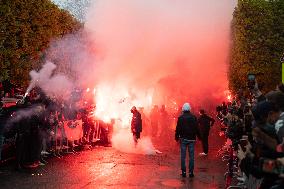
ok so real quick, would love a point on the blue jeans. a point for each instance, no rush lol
(183, 145)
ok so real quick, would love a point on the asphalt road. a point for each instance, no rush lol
(106, 167)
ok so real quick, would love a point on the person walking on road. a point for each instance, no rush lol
(136, 124)
(186, 132)
(205, 122)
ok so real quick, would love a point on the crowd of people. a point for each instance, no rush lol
(159, 122)
(38, 126)
(253, 125)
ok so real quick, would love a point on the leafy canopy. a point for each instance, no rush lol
(257, 43)
(26, 28)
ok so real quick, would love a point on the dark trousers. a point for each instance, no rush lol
(136, 136)
(21, 149)
(204, 140)
(36, 145)
(187, 144)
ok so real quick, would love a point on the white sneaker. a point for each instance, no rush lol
(203, 154)
(44, 153)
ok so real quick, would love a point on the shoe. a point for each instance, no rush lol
(191, 175)
(183, 174)
(45, 153)
(33, 165)
(203, 154)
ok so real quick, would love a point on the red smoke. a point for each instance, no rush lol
(149, 52)
(177, 49)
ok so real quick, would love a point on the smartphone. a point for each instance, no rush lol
(243, 143)
(245, 137)
(251, 81)
(251, 77)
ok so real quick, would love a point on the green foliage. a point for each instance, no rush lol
(26, 28)
(257, 43)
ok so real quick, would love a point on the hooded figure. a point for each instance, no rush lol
(136, 124)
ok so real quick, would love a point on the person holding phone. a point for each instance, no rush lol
(254, 89)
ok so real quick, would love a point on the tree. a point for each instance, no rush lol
(257, 43)
(26, 28)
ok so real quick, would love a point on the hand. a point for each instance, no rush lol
(241, 154)
(248, 147)
(281, 160)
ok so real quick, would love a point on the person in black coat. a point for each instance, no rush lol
(205, 122)
(186, 132)
(136, 124)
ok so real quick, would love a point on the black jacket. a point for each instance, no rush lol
(205, 122)
(187, 127)
(136, 123)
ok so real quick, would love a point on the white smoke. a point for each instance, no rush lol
(122, 140)
(54, 85)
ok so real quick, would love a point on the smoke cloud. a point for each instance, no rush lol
(145, 52)
(122, 140)
(54, 85)
(179, 48)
